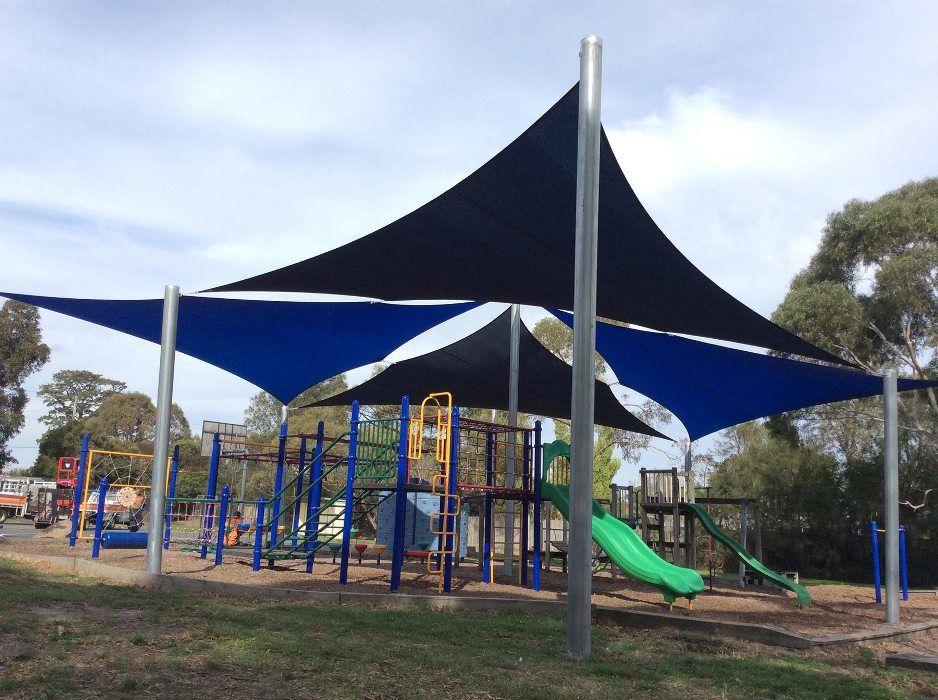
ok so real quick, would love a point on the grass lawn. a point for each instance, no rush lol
(67, 636)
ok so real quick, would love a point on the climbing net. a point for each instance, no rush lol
(127, 499)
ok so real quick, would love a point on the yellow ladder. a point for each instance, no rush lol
(441, 483)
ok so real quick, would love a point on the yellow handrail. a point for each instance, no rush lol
(440, 484)
(443, 424)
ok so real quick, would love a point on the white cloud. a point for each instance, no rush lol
(700, 134)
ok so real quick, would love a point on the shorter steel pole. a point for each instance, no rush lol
(891, 452)
(164, 402)
(242, 491)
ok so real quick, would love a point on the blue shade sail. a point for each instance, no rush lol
(709, 387)
(283, 347)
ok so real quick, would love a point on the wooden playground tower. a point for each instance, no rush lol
(662, 499)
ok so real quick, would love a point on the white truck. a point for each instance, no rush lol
(19, 496)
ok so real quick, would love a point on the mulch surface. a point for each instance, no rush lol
(837, 609)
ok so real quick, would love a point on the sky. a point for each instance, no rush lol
(199, 143)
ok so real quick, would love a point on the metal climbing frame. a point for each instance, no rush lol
(306, 510)
(128, 475)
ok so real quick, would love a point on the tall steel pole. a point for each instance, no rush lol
(164, 402)
(510, 471)
(579, 576)
(891, 454)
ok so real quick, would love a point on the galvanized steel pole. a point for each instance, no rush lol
(579, 576)
(510, 468)
(164, 401)
(891, 510)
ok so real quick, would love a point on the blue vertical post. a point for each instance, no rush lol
(487, 526)
(400, 498)
(879, 592)
(79, 497)
(298, 493)
(902, 560)
(349, 495)
(173, 472)
(278, 483)
(222, 523)
(536, 568)
(314, 499)
(99, 519)
(258, 535)
(450, 542)
(210, 491)
(525, 504)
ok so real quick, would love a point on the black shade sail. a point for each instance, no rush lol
(506, 233)
(475, 370)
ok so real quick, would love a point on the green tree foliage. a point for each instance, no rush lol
(605, 462)
(60, 441)
(74, 394)
(870, 294)
(262, 416)
(22, 352)
(191, 484)
(800, 489)
(557, 337)
(127, 421)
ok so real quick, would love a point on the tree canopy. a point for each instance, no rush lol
(22, 353)
(869, 293)
(74, 394)
(128, 421)
(557, 337)
(263, 413)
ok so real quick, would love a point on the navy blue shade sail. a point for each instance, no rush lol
(506, 233)
(710, 387)
(475, 370)
(283, 347)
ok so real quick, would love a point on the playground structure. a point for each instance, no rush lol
(126, 498)
(670, 512)
(327, 489)
(662, 494)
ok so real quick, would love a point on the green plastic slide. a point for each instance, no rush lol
(627, 550)
(804, 598)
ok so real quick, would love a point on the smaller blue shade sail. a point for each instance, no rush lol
(710, 387)
(283, 347)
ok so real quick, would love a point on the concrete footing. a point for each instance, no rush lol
(915, 661)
